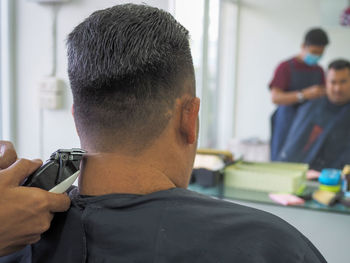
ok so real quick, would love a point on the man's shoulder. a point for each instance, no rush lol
(312, 105)
(202, 205)
(236, 227)
(227, 214)
(324, 104)
(284, 65)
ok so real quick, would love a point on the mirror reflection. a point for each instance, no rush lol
(273, 78)
(273, 87)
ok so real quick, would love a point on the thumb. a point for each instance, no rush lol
(7, 154)
(58, 202)
(21, 169)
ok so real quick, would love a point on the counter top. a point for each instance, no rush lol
(262, 197)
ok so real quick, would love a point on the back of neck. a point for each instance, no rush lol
(107, 173)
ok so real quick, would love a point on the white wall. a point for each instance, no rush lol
(34, 61)
(272, 31)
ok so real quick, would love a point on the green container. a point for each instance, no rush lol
(266, 177)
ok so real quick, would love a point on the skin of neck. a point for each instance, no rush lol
(167, 163)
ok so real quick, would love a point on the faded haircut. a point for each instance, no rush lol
(339, 64)
(127, 65)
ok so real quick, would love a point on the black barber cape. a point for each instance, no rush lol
(175, 225)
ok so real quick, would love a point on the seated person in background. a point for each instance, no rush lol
(320, 133)
(296, 80)
(136, 113)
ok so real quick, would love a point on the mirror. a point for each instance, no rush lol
(237, 46)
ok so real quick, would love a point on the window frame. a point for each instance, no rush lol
(7, 70)
(218, 93)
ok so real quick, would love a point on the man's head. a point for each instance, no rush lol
(313, 46)
(128, 66)
(338, 82)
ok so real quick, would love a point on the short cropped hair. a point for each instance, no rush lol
(127, 65)
(316, 37)
(339, 64)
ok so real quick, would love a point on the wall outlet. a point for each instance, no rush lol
(51, 93)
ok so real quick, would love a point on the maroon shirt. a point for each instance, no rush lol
(282, 75)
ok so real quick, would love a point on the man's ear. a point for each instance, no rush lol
(189, 120)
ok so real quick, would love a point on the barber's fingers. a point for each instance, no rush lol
(20, 244)
(11, 249)
(26, 240)
(8, 154)
(18, 171)
(58, 202)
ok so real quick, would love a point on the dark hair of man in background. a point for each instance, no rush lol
(124, 89)
(339, 64)
(316, 37)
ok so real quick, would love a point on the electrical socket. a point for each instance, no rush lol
(51, 93)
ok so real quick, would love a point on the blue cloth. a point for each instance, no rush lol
(319, 136)
(22, 256)
(283, 117)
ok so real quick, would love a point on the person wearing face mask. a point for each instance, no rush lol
(320, 133)
(295, 81)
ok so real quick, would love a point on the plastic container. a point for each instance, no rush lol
(330, 177)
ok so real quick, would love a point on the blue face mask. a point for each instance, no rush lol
(311, 59)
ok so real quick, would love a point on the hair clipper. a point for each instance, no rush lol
(59, 172)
